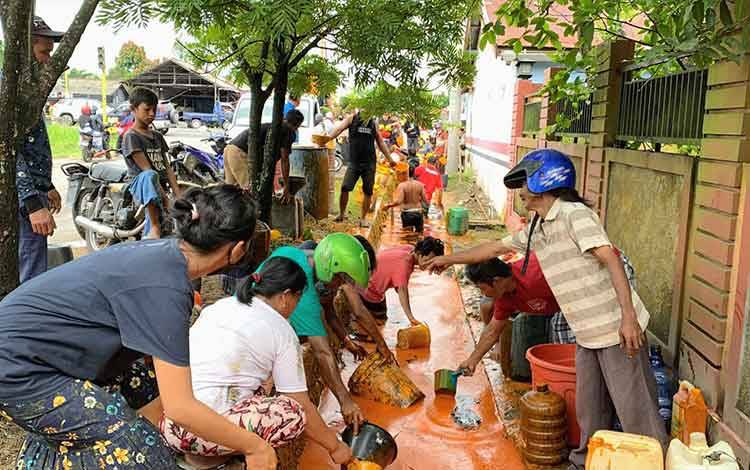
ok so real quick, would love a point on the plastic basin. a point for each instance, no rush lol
(555, 365)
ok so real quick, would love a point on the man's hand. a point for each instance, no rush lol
(42, 222)
(352, 415)
(413, 320)
(263, 458)
(631, 335)
(341, 455)
(55, 201)
(468, 367)
(386, 353)
(437, 265)
(286, 197)
(357, 351)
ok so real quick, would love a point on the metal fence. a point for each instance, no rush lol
(666, 109)
(578, 116)
(532, 111)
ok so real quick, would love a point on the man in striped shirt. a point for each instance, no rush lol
(589, 283)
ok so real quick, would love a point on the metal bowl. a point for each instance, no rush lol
(372, 444)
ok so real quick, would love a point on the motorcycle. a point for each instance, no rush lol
(93, 140)
(195, 166)
(104, 211)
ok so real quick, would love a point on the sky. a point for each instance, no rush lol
(158, 39)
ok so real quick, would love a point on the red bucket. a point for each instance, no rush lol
(555, 365)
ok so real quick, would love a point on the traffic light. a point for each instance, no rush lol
(100, 51)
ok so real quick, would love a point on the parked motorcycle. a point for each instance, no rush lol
(104, 211)
(193, 165)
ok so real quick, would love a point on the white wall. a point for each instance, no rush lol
(490, 118)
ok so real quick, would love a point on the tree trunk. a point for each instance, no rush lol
(15, 20)
(273, 144)
(258, 98)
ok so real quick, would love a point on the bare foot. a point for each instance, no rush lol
(340, 218)
(365, 223)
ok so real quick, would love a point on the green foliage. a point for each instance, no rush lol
(412, 103)
(78, 73)
(314, 75)
(63, 140)
(130, 61)
(675, 35)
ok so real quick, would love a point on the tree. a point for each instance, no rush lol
(674, 35)
(130, 61)
(263, 42)
(415, 104)
(79, 73)
(2, 52)
(23, 93)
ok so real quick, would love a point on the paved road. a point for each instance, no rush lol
(66, 232)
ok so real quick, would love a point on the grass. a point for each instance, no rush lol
(63, 140)
(354, 208)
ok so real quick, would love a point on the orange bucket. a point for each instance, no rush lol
(383, 381)
(402, 171)
(417, 336)
(555, 365)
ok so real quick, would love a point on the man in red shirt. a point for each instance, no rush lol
(511, 292)
(430, 177)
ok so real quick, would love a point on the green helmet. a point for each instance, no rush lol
(342, 253)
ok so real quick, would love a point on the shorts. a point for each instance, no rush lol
(413, 219)
(378, 309)
(355, 172)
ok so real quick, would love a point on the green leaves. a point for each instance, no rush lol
(413, 102)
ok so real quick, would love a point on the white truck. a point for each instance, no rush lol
(241, 120)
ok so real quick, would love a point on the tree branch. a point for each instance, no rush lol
(305, 50)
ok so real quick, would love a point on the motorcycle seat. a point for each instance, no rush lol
(112, 172)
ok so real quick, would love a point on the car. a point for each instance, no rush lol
(308, 105)
(68, 110)
(166, 115)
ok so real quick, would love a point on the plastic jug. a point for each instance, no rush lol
(458, 220)
(610, 450)
(689, 412)
(543, 426)
(664, 385)
(699, 456)
(417, 336)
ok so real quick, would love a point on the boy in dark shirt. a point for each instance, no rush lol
(145, 153)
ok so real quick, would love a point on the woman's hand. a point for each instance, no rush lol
(352, 414)
(263, 458)
(341, 455)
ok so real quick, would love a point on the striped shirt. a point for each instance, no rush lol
(581, 284)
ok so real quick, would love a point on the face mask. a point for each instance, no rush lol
(244, 265)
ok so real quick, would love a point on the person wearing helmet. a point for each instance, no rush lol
(589, 283)
(339, 259)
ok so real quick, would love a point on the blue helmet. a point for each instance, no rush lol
(542, 170)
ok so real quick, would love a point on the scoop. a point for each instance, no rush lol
(446, 380)
(372, 444)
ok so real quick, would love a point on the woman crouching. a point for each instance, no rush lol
(236, 345)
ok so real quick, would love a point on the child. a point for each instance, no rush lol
(394, 268)
(236, 345)
(430, 177)
(589, 282)
(145, 153)
(411, 196)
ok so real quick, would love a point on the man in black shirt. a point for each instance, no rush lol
(363, 135)
(236, 158)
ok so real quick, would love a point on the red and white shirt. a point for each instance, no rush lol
(532, 294)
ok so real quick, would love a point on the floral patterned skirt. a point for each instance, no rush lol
(85, 426)
(278, 420)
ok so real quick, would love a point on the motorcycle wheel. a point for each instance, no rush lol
(87, 155)
(79, 208)
(94, 241)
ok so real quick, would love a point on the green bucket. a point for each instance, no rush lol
(458, 220)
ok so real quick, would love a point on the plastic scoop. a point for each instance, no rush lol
(446, 380)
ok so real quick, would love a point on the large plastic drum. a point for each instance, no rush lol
(555, 365)
(311, 162)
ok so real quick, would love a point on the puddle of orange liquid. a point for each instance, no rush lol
(426, 434)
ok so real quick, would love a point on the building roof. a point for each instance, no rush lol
(161, 73)
(489, 8)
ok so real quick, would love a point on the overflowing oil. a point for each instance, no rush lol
(463, 413)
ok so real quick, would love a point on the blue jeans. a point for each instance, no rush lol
(32, 248)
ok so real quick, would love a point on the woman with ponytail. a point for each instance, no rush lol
(239, 343)
(65, 335)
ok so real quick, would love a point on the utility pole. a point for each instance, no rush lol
(103, 68)
(454, 127)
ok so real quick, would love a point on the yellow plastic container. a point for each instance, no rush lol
(689, 412)
(682, 457)
(417, 336)
(363, 465)
(610, 450)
